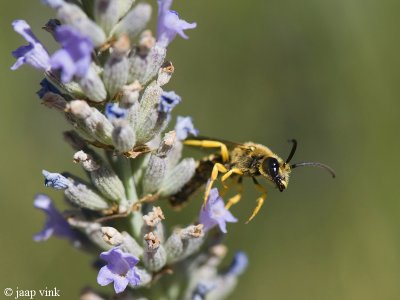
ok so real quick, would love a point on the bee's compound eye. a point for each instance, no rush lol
(271, 166)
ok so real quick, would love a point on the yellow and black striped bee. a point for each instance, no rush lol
(236, 161)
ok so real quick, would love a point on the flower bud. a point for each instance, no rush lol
(184, 242)
(144, 67)
(116, 68)
(165, 73)
(157, 166)
(130, 94)
(93, 121)
(93, 86)
(155, 59)
(134, 22)
(72, 15)
(174, 156)
(154, 256)
(102, 176)
(124, 7)
(149, 121)
(106, 13)
(82, 196)
(112, 236)
(152, 223)
(178, 177)
(154, 217)
(123, 136)
(123, 240)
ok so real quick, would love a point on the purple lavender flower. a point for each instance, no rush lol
(55, 223)
(120, 269)
(215, 213)
(169, 24)
(238, 264)
(45, 87)
(55, 180)
(75, 56)
(184, 126)
(168, 101)
(114, 111)
(34, 53)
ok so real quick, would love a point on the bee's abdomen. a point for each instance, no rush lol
(200, 177)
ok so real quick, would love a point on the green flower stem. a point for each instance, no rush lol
(127, 178)
(136, 221)
(136, 217)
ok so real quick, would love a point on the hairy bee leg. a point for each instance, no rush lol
(210, 144)
(214, 175)
(229, 173)
(260, 200)
(235, 199)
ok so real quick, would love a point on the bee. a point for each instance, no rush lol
(236, 161)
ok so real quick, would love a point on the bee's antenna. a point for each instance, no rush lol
(315, 164)
(293, 150)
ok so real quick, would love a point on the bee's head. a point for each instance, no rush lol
(277, 170)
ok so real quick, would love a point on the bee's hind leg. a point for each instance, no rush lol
(210, 144)
(260, 200)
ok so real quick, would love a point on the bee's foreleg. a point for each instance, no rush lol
(214, 175)
(260, 200)
(210, 144)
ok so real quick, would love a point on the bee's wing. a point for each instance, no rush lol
(229, 144)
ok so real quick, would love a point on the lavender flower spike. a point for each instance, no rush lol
(184, 126)
(34, 53)
(215, 213)
(120, 269)
(169, 24)
(55, 223)
(75, 56)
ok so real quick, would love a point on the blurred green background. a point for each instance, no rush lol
(324, 72)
